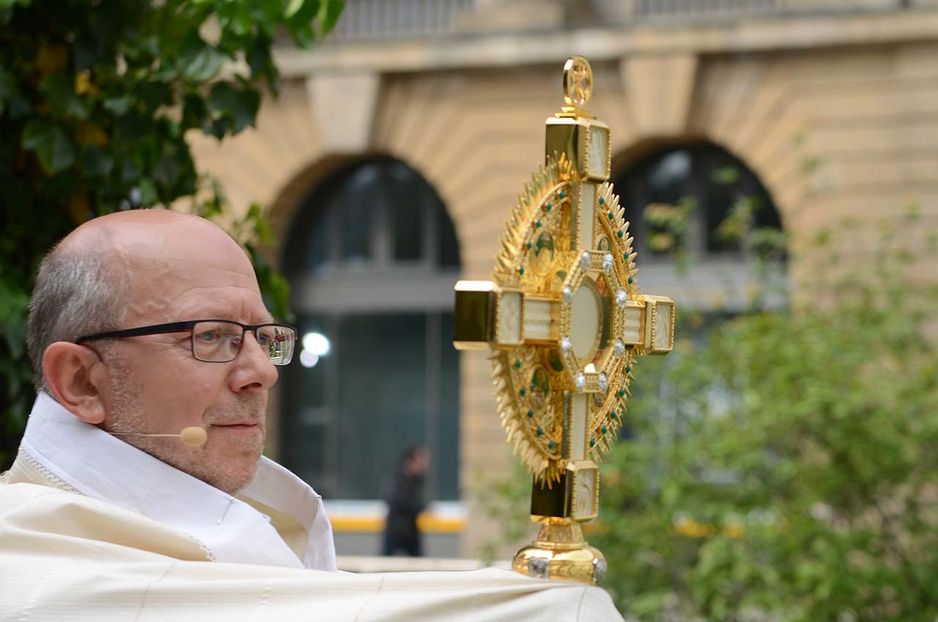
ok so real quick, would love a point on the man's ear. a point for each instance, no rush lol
(76, 376)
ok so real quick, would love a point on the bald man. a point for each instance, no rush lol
(144, 325)
(139, 490)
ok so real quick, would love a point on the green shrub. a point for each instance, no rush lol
(785, 466)
(96, 100)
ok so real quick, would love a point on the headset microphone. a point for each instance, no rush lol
(192, 436)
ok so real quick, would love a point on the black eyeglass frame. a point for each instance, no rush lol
(189, 325)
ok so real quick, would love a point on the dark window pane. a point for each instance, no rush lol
(715, 198)
(356, 206)
(668, 178)
(310, 253)
(668, 190)
(633, 198)
(448, 253)
(722, 193)
(307, 418)
(319, 251)
(447, 460)
(373, 212)
(766, 214)
(407, 199)
(382, 363)
(349, 416)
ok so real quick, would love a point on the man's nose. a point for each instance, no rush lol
(254, 369)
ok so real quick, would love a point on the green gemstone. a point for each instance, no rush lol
(602, 201)
(518, 364)
(628, 368)
(561, 194)
(615, 416)
(630, 280)
(603, 430)
(523, 391)
(540, 431)
(610, 215)
(619, 233)
(537, 224)
(625, 257)
(547, 206)
(530, 414)
(551, 445)
(521, 270)
(528, 245)
(622, 391)
(592, 442)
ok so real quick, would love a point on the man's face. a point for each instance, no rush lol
(157, 387)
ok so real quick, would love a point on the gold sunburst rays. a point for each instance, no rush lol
(534, 247)
(546, 181)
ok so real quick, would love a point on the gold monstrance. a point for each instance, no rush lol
(564, 322)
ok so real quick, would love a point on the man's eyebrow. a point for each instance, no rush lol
(232, 315)
(227, 317)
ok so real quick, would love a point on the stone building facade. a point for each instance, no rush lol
(833, 104)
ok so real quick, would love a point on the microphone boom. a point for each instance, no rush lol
(191, 436)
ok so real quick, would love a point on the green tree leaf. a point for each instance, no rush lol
(329, 14)
(200, 62)
(97, 162)
(117, 105)
(236, 107)
(50, 144)
(59, 90)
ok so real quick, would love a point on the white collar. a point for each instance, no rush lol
(104, 467)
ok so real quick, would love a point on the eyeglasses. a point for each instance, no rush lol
(218, 341)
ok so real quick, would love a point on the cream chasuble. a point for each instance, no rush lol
(91, 461)
(93, 529)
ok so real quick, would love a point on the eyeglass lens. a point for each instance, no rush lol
(220, 342)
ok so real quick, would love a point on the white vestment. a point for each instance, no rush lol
(93, 529)
(59, 446)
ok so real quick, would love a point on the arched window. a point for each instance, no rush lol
(716, 191)
(702, 204)
(372, 258)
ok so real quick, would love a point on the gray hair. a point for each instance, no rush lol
(77, 292)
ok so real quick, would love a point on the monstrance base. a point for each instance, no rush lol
(560, 552)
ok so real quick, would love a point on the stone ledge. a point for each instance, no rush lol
(756, 34)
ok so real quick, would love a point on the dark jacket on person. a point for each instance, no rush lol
(405, 503)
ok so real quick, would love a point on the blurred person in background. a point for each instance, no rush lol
(405, 502)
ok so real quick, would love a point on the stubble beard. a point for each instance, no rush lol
(230, 472)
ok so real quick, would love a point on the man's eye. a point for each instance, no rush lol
(208, 336)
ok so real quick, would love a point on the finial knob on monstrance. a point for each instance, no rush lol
(564, 321)
(577, 82)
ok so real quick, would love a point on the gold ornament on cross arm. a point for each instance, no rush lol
(564, 322)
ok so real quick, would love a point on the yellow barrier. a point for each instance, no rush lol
(427, 523)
